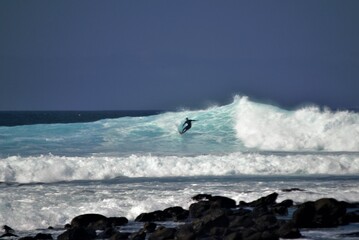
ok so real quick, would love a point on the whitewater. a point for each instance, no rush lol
(241, 138)
(50, 173)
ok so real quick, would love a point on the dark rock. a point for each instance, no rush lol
(222, 202)
(328, 212)
(140, 235)
(43, 236)
(107, 233)
(260, 211)
(350, 205)
(8, 235)
(94, 221)
(243, 204)
(217, 231)
(26, 238)
(280, 210)
(266, 222)
(240, 211)
(292, 190)
(117, 221)
(176, 213)
(120, 236)
(169, 214)
(251, 234)
(237, 235)
(244, 221)
(77, 233)
(325, 212)
(149, 227)
(185, 232)
(215, 218)
(288, 230)
(9, 232)
(8, 229)
(199, 209)
(265, 201)
(163, 233)
(286, 203)
(269, 235)
(201, 197)
(352, 217)
(304, 215)
(152, 216)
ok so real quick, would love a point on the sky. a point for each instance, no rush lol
(169, 54)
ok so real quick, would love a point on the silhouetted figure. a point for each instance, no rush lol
(188, 124)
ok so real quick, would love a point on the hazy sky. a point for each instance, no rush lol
(165, 54)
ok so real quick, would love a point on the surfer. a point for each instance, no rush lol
(188, 124)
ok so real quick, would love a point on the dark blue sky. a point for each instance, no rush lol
(102, 55)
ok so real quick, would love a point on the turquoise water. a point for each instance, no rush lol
(127, 165)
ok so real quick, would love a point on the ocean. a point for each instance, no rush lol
(55, 167)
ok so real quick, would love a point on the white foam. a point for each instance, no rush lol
(51, 168)
(34, 206)
(268, 127)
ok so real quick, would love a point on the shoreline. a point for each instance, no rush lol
(211, 217)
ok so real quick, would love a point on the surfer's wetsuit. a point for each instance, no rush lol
(189, 125)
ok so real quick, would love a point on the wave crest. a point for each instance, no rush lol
(50, 168)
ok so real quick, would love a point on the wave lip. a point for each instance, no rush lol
(50, 168)
(267, 127)
(240, 126)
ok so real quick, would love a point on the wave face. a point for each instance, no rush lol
(243, 137)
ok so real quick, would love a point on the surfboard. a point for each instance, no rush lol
(180, 128)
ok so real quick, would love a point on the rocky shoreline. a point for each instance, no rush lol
(214, 217)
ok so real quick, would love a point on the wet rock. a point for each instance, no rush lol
(266, 222)
(43, 236)
(293, 190)
(27, 238)
(151, 216)
(120, 236)
(117, 221)
(352, 217)
(285, 203)
(9, 232)
(282, 207)
(288, 230)
(149, 227)
(77, 233)
(185, 232)
(265, 201)
(325, 212)
(236, 235)
(163, 233)
(245, 221)
(304, 215)
(94, 221)
(328, 212)
(176, 213)
(214, 219)
(140, 235)
(199, 209)
(201, 197)
(107, 233)
(169, 214)
(222, 202)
